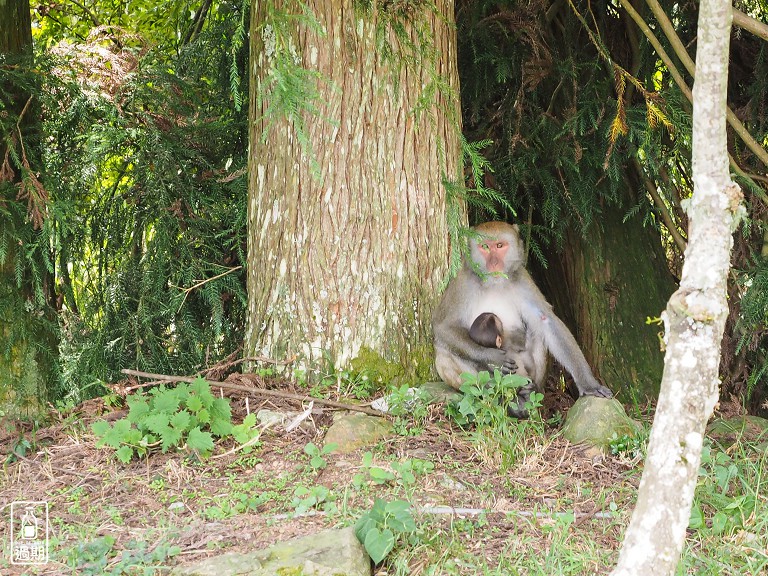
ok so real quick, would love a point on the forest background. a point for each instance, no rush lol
(124, 238)
(135, 233)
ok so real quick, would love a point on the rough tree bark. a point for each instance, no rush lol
(350, 258)
(694, 321)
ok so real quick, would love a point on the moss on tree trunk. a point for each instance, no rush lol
(604, 287)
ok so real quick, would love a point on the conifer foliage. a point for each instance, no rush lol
(143, 224)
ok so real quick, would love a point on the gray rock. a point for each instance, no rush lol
(594, 421)
(440, 392)
(352, 431)
(328, 553)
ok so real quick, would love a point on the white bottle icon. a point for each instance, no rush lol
(29, 525)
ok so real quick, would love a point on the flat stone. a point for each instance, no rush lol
(352, 431)
(327, 553)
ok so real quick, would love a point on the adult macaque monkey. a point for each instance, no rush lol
(493, 280)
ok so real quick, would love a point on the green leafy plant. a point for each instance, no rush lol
(726, 490)
(380, 528)
(631, 445)
(402, 473)
(486, 399)
(19, 449)
(316, 461)
(410, 408)
(318, 497)
(247, 433)
(100, 557)
(187, 415)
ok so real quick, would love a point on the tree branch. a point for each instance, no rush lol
(750, 24)
(682, 54)
(658, 201)
(256, 391)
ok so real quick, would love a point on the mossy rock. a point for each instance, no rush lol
(352, 431)
(327, 553)
(438, 391)
(595, 421)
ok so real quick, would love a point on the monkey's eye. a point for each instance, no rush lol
(484, 246)
(499, 245)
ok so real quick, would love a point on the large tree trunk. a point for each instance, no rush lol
(28, 334)
(694, 319)
(349, 255)
(604, 287)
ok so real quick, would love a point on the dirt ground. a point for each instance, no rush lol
(169, 498)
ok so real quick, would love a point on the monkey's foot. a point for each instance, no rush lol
(601, 392)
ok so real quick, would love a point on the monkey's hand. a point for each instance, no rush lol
(505, 364)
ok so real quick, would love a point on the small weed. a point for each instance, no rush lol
(400, 473)
(486, 398)
(20, 449)
(410, 408)
(632, 447)
(99, 557)
(316, 460)
(317, 497)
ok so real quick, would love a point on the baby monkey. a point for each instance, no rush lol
(488, 331)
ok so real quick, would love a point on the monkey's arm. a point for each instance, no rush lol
(563, 346)
(455, 351)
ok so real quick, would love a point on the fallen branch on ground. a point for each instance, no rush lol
(256, 391)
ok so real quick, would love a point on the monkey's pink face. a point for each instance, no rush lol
(494, 252)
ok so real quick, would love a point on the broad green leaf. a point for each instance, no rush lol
(170, 437)
(181, 420)
(100, 428)
(696, 520)
(166, 401)
(379, 543)
(137, 408)
(202, 390)
(362, 526)
(117, 434)
(381, 476)
(124, 454)
(221, 417)
(200, 441)
(719, 522)
(157, 422)
(194, 404)
(203, 416)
